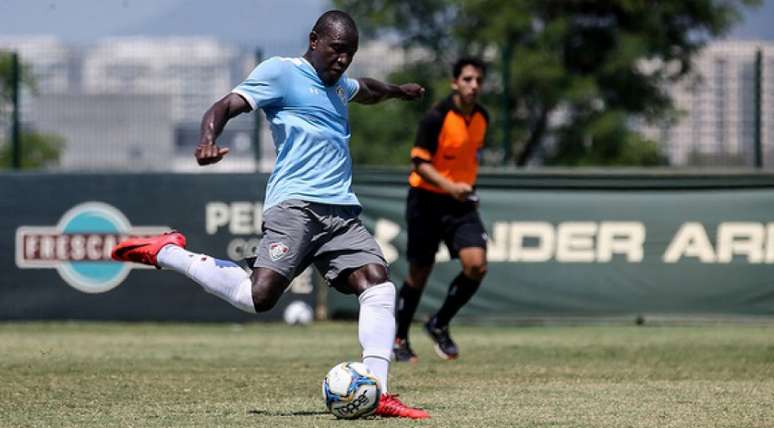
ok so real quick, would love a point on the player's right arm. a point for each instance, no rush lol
(213, 122)
(264, 87)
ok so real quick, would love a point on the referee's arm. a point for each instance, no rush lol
(425, 145)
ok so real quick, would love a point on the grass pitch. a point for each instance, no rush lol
(146, 375)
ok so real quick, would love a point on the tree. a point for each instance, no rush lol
(383, 134)
(6, 84)
(587, 62)
(604, 140)
(37, 150)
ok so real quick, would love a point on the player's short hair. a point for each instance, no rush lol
(332, 19)
(462, 62)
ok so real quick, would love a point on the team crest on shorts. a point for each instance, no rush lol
(277, 251)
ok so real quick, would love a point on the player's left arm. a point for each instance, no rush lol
(372, 91)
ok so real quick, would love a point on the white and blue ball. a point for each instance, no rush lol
(351, 391)
(298, 313)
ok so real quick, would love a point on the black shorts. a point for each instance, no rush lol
(433, 217)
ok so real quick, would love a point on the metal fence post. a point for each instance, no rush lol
(506, 101)
(16, 146)
(758, 108)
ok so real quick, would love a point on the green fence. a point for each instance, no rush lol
(561, 244)
(603, 244)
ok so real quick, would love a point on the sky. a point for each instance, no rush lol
(267, 23)
(279, 24)
(757, 23)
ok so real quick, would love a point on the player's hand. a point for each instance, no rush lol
(411, 91)
(460, 191)
(209, 153)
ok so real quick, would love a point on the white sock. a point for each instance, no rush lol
(380, 368)
(376, 329)
(175, 258)
(222, 278)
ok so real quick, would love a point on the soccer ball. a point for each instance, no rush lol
(298, 313)
(351, 391)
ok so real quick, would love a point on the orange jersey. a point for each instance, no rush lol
(450, 143)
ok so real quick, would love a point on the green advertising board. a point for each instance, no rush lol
(560, 244)
(603, 244)
(58, 231)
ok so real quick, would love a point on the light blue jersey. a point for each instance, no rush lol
(310, 126)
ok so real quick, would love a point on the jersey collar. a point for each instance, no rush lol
(448, 103)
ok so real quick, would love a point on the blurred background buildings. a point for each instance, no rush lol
(716, 107)
(132, 102)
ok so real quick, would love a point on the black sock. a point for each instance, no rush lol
(408, 300)
(461, 290)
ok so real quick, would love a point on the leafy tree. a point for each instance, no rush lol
(592, 63)
(5, 77)
(6, 84)
(38, 150)
(383, 134)
(604, 140)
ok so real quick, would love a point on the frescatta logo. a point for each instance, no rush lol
(79, 246)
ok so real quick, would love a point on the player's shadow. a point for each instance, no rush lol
(300, 413)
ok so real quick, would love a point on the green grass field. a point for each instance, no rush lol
(144, 375)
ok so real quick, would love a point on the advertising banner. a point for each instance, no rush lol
(558, 245)
(602, 245)
(58, 230)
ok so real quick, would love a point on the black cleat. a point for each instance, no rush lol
(444, 345)
(402, 351)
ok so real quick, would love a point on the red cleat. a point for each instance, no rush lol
(391, 407)
(144, 250)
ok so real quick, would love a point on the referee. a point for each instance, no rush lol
(442, 205)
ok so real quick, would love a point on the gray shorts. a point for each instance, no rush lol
(297, 233)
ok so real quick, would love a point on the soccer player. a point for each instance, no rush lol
(310, 212)
(442, 205)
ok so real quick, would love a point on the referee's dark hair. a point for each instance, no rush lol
(462, 62)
